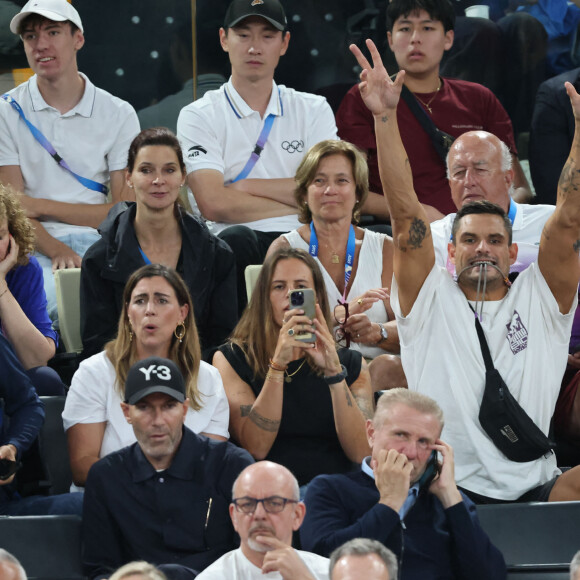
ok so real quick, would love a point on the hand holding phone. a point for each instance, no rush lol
(444, 486)
(8, 468)
(304, 299)
(8, 464)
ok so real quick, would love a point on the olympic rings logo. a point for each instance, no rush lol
(293, 146)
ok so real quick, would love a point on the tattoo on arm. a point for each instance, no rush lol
(263, 423)
(347, 393)
(365, 406)
(569, 178)
(384, 119)
(417, 233)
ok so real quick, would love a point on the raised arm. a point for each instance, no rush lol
(413, 255)
(560, 243)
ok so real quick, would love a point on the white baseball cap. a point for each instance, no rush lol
(56, 10)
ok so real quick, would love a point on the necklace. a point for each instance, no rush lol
(289, 376)
(426, 105)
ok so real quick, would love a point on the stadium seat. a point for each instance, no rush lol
(251, 274)
(67, 284)
(48, 547)
(538, 540)
(53, 447)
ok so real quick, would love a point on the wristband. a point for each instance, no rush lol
(276, 367)
(332, 380)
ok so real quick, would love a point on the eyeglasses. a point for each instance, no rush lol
(341, 336)
(273, 504)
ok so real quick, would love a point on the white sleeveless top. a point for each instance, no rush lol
(368, 277)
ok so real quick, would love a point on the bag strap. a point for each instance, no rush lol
(46, 144)
(483, 344)
(436, 135)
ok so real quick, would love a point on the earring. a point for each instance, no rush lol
(179, 332)
(130, 335)
(131, 185)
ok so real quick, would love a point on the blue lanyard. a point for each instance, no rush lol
(260, 144)
(350, 249)
(512, 211)
(147, 260)
(88, 183)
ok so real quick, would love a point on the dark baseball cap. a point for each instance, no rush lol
(154, 375)
(271, 10)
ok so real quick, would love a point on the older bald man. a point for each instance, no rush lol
(479, 166)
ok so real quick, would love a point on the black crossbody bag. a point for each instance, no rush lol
(503, 419)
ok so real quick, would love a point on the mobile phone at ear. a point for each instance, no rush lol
(8, 468)
(304, 299)
(431, 470)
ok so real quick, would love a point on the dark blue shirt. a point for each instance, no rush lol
(432, 542)
(19, 403)
(176, 516)
(27, 286)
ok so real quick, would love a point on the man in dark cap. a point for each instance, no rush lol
(243, 143)
(165, 498)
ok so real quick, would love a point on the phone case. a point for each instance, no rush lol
(308, 305)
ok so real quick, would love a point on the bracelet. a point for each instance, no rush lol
(276, 366)
(4, 291)
(337, 378)
(270, 376)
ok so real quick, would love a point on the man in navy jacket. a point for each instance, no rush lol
(404, 498)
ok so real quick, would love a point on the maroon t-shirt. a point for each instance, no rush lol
(460, 106)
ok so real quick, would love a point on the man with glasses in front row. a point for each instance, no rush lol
(265, 510)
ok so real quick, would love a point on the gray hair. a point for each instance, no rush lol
(7, 557)
(295, 486)
(143, 568)
(365, 547)
(575, 566)
(412, 399)
(506, 158)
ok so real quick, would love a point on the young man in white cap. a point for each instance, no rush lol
(165, 498)
(76, 143)
(243, 143)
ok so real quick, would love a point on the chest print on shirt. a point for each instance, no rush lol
(295, 146)
(517, 334)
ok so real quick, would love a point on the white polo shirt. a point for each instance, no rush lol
(220, 132)
(93, 138)
(527, 231)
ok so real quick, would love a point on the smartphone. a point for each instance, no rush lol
(8, 468)
(304, 300)
(431, 470)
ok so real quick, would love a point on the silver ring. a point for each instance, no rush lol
(290, 332)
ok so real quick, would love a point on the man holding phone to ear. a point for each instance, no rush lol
(405, 498)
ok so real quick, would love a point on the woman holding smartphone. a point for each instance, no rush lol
(300, 404)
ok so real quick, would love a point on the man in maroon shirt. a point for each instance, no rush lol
(419, 33)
